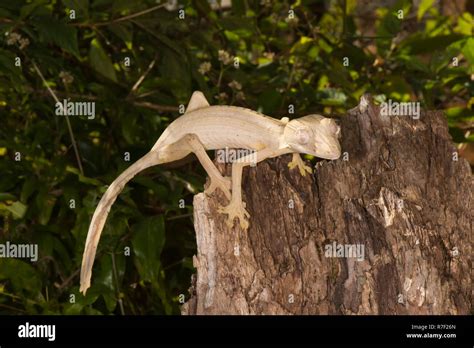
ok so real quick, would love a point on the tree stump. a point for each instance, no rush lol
(398, 190)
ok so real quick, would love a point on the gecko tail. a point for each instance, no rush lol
(101, 212)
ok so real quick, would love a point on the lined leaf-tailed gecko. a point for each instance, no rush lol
(203, 127)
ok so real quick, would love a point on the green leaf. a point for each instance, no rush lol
(124, 32)
(80, 6)
(420, 45)
(238, 7)
(130, 129)
(17, 209)
(168, 42)
(7, 61)
(5, 196)
(339, 76)
(423, 7)
(148, 242)
(203, 7)
(465, 24)
(468, 52)
(459, 114)
(30, 186)
(231, 36)
(81, 301)
(45, 242)
(458, 135)
(82, 178)
(45, 204)
(21, 274)
(391, 24)
(413, 63)
(176, 72)
(332, 97)
(100, 61)
(396, 87)
(269, 101)
(30, 8)
(160, 190)
(239, 26)
(58, 33)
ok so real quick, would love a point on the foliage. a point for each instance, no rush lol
(48, 194)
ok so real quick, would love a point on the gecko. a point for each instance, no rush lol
(204, 127)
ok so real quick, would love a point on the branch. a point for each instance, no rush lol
(162, 108)
(121, 19)
(71, 134)
(147, 105)
(140, 80)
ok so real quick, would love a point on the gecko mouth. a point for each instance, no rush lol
(332, 154)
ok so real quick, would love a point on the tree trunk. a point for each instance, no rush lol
(399, 194)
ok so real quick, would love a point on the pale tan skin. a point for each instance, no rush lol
(204, 127)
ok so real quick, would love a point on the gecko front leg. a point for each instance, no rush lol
(298, 162)
(236, 207)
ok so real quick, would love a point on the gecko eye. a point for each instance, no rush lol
(302, 136)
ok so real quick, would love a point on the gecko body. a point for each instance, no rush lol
(204, 127)
(242, 128)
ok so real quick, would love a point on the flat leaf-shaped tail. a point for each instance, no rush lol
(102, 210)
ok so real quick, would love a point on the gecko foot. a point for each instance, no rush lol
(298, 162)
(233, 210)
(222, 183)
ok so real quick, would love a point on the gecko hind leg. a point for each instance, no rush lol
(216, 178)
(298, 162)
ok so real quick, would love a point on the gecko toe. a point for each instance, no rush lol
(297, 162)
(244, 224)
(235, 210)
(303, 169)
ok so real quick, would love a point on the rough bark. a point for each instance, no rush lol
(398, 190)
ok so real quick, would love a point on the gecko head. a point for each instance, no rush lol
(314, 135)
